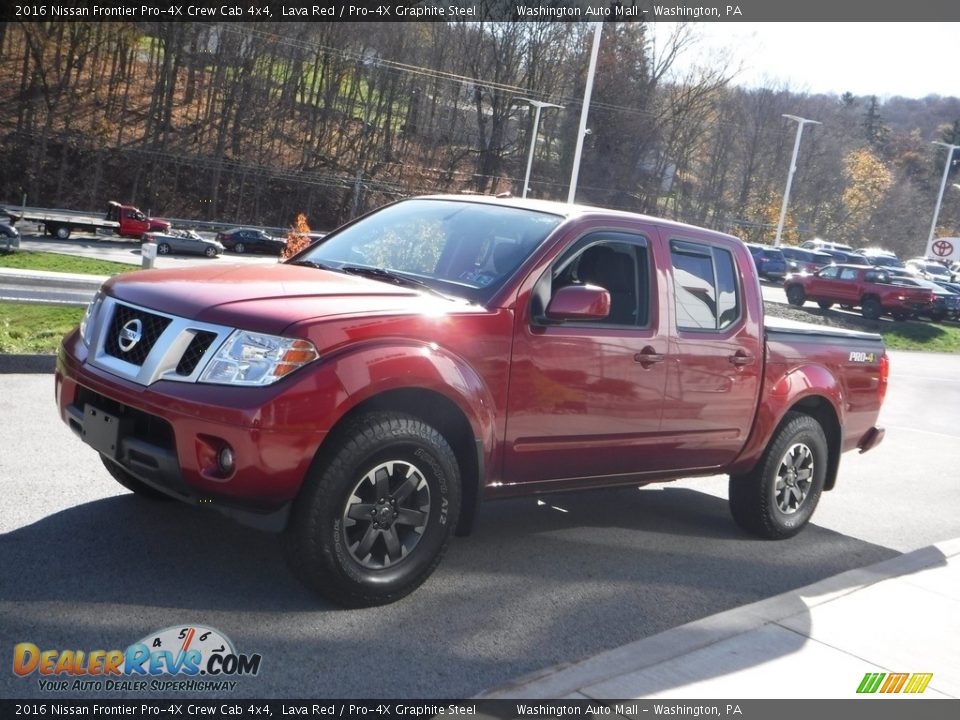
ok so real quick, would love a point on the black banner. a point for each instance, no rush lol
(480, 10)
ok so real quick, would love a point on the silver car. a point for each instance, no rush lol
(184, 241)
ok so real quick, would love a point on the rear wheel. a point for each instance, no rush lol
(825, 304)
(239, 248)
(163, 249)
(778, 497)
(130, 482)
(373, 521)
(796, 295)
(870, 308)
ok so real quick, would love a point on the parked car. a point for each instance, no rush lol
(184, 241)
(9, 237)
(928, 269)
(770, 262)
(866, 287)
(251, 240)
(365, 397)
(819, 244)
(881, 258)
(804, 260)
(843, 257)
(946, 302)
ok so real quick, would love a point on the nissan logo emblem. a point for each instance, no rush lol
(130, 335)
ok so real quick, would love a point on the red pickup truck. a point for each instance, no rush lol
(868, 288)
(365, 396)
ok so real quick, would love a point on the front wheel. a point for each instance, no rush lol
(796, 295)
(777, 498)
(374, 519)
(210, 252)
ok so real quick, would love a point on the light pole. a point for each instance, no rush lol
(793, 168)
(584, 111)
(943, 185)
(539, 105)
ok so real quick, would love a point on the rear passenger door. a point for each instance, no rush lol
(715, 358)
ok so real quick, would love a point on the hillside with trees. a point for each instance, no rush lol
(259, 122)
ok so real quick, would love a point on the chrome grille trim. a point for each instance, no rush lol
(164, 357)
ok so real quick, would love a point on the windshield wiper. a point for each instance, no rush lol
(313, 264)
(388, 276)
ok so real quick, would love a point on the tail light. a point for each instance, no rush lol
(884, 377)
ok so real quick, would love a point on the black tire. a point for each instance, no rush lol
(825, 304)
(163, 249)
(796, 295)
(239, 248)
(378, 558)
(871, 308)
(777, 498)
(210, 252)
(130, 482)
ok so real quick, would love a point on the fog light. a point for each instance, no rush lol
(225, 459)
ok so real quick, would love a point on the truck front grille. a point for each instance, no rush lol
(145, 345)
(133, 333)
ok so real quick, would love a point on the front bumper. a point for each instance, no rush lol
(168, 434)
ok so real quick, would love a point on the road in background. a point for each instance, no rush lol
(87, 565)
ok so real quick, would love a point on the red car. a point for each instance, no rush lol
(364, 397)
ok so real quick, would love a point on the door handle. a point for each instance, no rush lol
(740, 358)
(648, 356)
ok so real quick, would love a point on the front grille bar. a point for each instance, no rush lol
(178, 349)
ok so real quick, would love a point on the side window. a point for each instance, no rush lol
(705, 283)
(848, 274)
(830, 273)
(617, 262)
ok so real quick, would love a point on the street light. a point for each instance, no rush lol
(582, 132)
(539, 105)
(943, 185)
(793, 168)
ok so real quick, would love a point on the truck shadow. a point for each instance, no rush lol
(540, 582)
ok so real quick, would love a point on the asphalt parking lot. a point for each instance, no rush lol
(88, 565)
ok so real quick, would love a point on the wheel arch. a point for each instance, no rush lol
(811, 390)
(443, 414)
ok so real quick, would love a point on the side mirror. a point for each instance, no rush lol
(579, 302)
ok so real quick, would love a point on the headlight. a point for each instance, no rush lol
(248, 358)
(90, 318)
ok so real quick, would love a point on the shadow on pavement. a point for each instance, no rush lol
(540, 582)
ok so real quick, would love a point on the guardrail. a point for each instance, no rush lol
(189, 224)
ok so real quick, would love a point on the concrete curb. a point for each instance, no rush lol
(27, 364)
(565, 680)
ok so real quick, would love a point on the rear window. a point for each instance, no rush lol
(705, 286)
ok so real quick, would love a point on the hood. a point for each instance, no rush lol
(267, 298)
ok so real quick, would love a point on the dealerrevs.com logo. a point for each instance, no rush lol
(177, 658)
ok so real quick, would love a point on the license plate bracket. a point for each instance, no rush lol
(102, 431)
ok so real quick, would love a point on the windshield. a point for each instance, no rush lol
(459, 248)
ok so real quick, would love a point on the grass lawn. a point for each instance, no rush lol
(27, 328)
(55, 262)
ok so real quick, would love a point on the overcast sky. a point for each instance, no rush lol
(883, 59)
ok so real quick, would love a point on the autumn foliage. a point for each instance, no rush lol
(297, 238)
